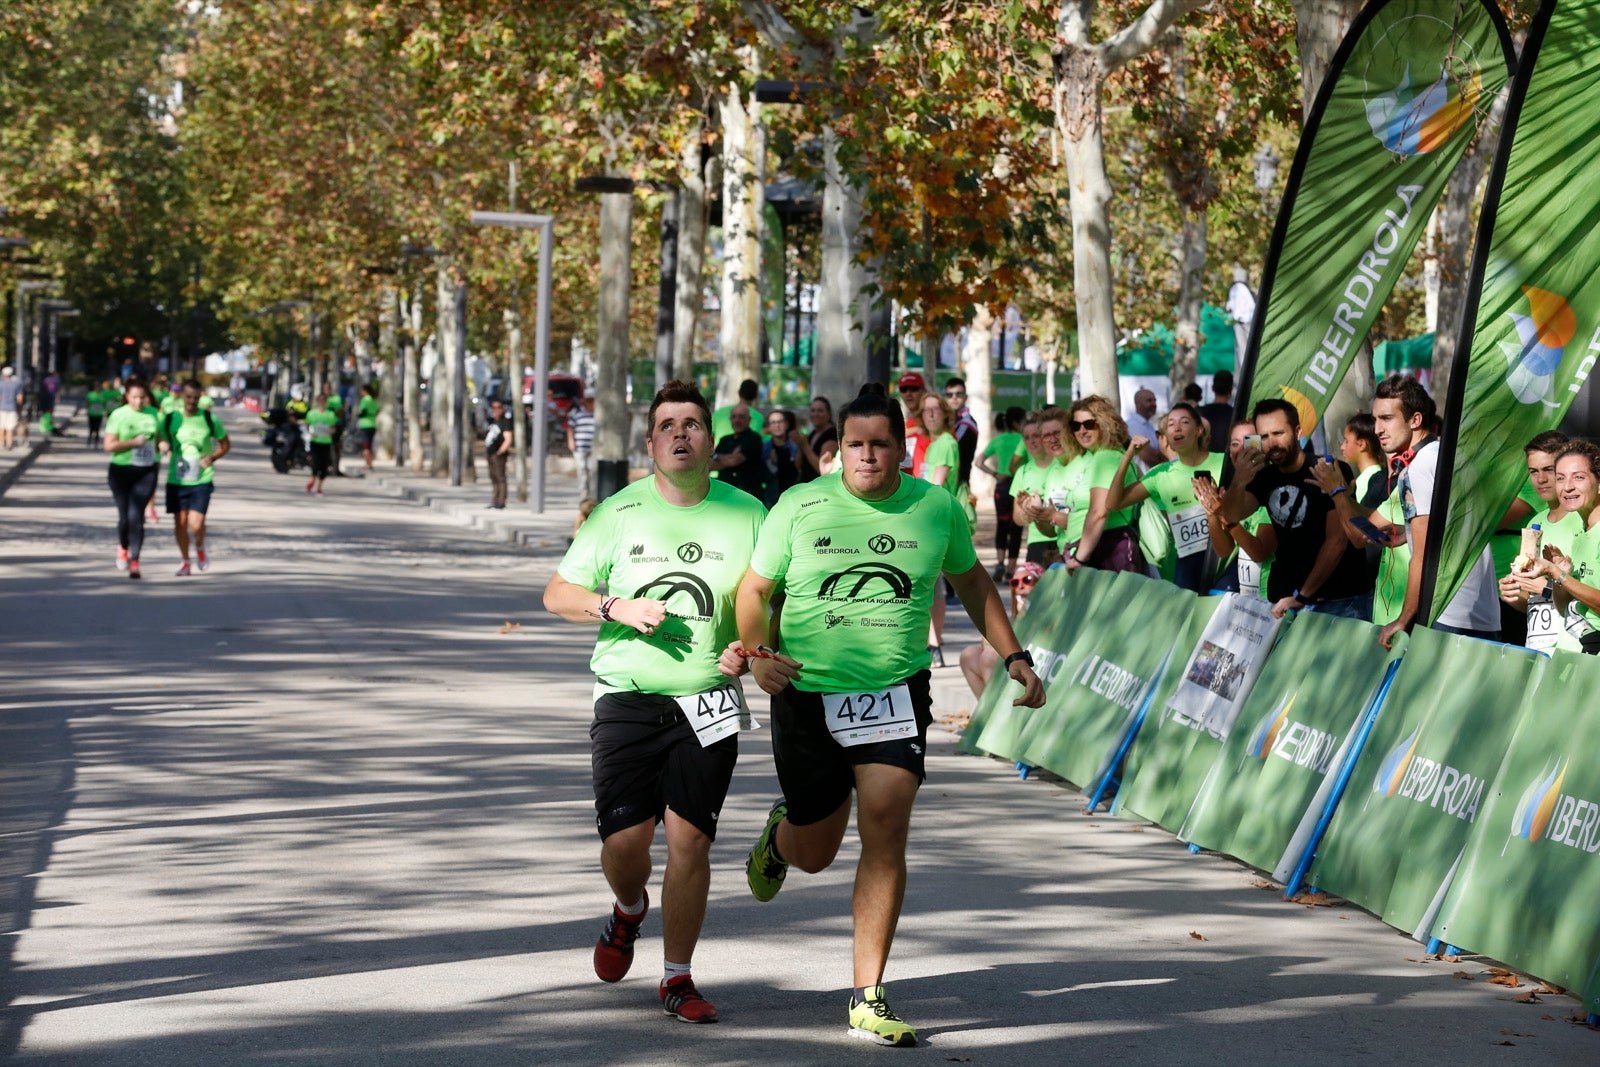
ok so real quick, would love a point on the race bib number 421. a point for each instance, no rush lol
(865, 718)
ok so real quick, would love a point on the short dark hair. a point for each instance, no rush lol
(948, 382)
(1277, 406)
(871, 405)
(1222, 383)
(787, 415)
(1587, 449)
(1190, 410)
(825, 402)
(1364, 428)
(1193, 393)
(1551, 441)
(678, 391)
(191, 383)
(749, 389)
(1015, 415)
(1413, 398)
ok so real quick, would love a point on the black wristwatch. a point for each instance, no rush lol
(1024, 656)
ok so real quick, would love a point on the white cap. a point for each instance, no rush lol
(7, 372)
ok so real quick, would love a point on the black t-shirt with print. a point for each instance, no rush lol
(1299, 514)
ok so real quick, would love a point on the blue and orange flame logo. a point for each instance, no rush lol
(1266, 735)
(1412, 123)
(1393, 770)
(1538, 803)
(1542, 337)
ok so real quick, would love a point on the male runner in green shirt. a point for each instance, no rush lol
(857, 558)
(670, 550)
(195, 439)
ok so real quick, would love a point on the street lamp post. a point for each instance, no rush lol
(545, 224)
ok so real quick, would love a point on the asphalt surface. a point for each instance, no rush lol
(329, 804)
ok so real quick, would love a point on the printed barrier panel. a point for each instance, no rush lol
(1528, 891)
(1224, 650)
(1423, 777)
(1293, 732)
(1107, 676)
(1047, 629)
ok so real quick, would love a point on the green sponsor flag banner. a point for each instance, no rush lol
(1423, 777)
(1292, 733)
(1160, 779)
(1532, 331)
(1401, 102)
(1047, 630)
(1527, 889)
(1107, 676)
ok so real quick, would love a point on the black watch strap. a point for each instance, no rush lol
(1025, 656)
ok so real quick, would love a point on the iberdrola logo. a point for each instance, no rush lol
(1411, 122)
(1538, 803)
(1266, 735)
(1303, 406)
(1393, 770)
(1543, 333)
(1423, 81)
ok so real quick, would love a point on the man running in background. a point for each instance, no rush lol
(670, 550)
(195, 440)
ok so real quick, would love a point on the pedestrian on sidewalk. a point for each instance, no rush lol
(497, 437)
(580, 442)
(132, 434)
(10, 407)
(97, 402)
(669, 550)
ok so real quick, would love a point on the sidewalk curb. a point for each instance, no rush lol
(504, 526)
(20, 467)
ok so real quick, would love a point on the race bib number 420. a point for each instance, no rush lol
(864, 718)
(716, 713)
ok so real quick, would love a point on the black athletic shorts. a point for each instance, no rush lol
(646, 759)
(816, 773)
(188, 498)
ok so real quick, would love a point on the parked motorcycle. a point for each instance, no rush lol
(287, 446)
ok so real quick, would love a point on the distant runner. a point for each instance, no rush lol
(194, 439)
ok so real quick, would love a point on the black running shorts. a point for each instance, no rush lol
(646, 759)
(815, 772)
(188, 498)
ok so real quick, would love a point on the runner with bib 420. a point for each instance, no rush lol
(857, 559)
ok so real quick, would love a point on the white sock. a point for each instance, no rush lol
(673, 970)
(634, 910)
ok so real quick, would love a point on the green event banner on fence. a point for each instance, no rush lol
(1047, 629)
(1527, 890)
(1125, 645)
(1423, 778)
(1294, 731)
(1402, 100)
(1535, 322)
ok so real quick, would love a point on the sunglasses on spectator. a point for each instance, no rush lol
(1086, 424)
(1027, 579)
(954, 392)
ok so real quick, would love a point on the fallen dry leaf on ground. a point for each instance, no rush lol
(1530, 997)
(1464, 976)
(509, 626)
(1546, 987)
(1262, 883)
(1313, 900)
(1510, 981)
(1515, 1033)
(1511, 1043)
(1197, 936)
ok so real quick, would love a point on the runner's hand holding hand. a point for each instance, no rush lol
(731, 662)
(642, 614)
(774, 675)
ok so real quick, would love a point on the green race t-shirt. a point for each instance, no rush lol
(1030, 478)
(94, 403)
(638, 545)
(1002, 448)
(1394, 566)
(1171, 484)
(322, 424)
(858, 577)
(942, 452)
(1066, 488)
(192, 440)
(367, 413)
(1504, 546)
(125, 424)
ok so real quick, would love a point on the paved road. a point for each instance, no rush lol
(321, 806)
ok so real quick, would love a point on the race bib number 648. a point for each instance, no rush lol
(864, 718)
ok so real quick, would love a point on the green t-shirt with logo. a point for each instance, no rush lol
(1002, 448)
(1394, 566)
(367, 413)
(638, 545)
(322, 424)
(1171, 484)
(1070, 487)
(125, 424)
(192, 439)
(1030, 478)
(858, 577)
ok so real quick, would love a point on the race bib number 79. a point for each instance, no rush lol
(864, 718)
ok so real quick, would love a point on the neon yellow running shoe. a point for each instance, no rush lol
(762, 869)
(873, 1020)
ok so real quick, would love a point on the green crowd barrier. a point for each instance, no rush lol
(1128, 634)
(1047, 629)
(1528, 884)
(1422, 779)
(1295, 730)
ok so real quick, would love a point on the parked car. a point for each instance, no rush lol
(562, 393)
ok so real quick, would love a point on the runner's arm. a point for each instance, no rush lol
(752, 605)
(573, 602)
(1119, 496)
(1093, 526)
(224, 446)
(978, 596)
(116, 444)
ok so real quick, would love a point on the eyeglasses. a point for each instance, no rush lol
(953, 393)
(1086, 424)
(1027, 579)
(1050, 435)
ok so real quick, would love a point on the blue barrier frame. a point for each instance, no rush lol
(1110, 780)
(1368, 719)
